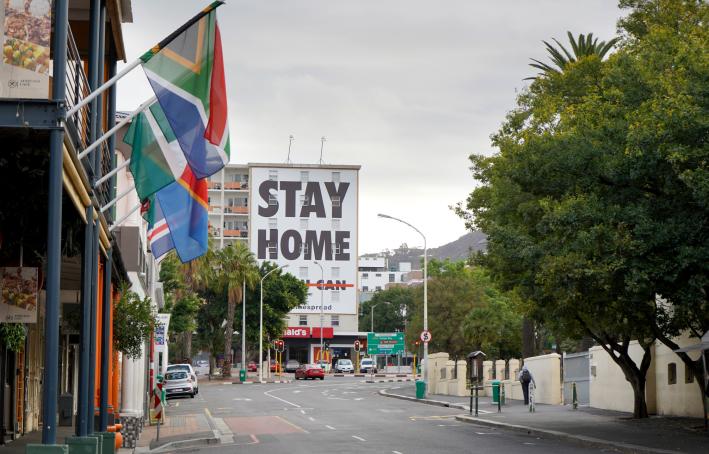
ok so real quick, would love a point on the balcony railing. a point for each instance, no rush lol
(79, 125)
(236, 209)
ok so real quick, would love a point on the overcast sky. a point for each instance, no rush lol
(405, 88)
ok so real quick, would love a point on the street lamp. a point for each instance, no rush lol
(322, 315)
(425, 294)
(260, 330)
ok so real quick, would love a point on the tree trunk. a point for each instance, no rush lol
(229, 331)
(188, 346)
(527, 338)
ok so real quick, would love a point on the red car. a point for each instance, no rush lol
(306, 371)
(275, 367)
(252, 367)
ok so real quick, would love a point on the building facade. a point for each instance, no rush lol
(229, 205)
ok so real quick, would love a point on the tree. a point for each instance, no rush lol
(282, 292)
(182, 302)
(133, 323)
(583, 46)
(458, 296)
(392, 311)
(227, 269)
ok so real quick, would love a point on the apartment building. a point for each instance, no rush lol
(229, 205)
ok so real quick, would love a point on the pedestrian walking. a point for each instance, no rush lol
(526, 377)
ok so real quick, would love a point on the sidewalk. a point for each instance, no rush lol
(586, 425)
(178, 430)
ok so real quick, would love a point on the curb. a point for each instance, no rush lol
(582, 439)
(391, 380)
(181, 444)
(588, 441)
(260, 382)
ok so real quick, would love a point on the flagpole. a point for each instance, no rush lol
(115, 129)
(101, 180)
(126, 216)
(118, 197)
(142, 59)
(106, 85)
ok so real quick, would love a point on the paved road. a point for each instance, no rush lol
(344, 415)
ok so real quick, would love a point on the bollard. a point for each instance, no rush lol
(476, 400)
(471, 398)
(502, 393)
(575, 397)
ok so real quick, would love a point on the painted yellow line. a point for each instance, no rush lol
(292, 425)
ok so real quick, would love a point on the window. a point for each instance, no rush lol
(272, 223)
(303, 272)
(337, 248)
(335, 224)
(302, 320)
(335, 272)
(672, 374)
(365, 288)
(392, 277)
(305, 249)
(334, 320)
(272, 199)
(378, 274)
(335, 177)
(304, 176)
(335, 200)
(273, 175)
(272, 250)
(688, 377)
(335, 296)
(304, 223)
(365, 275)
(378, 288)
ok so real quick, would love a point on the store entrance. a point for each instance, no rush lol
(298, 353)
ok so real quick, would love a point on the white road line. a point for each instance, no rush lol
(396, 452)
(358, 438)
(311, 418)
(302, 411)
(330, 427)
(282, 400)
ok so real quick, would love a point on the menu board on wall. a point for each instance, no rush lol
(18, 294)
(25, 66)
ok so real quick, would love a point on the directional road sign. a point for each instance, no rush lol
(385, 343)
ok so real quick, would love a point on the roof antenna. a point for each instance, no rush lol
(290, 142)
(322, 144)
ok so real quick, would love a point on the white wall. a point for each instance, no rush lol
(546, 370)
(681, 398)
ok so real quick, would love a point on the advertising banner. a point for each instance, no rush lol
(25, 66)
(296, 332)
(18, 294)
(305, 214)
(161, 329)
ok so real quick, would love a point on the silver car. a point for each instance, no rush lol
(178, 383)
(190, 371)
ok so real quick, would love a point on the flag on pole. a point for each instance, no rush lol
(156, 158)
(185, 208)
(186, 71)
(159, 237)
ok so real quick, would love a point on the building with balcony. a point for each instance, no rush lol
(375, 274)
(229, 205)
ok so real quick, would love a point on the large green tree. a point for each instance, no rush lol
(581, 46)
(392, 308)
(596, 204)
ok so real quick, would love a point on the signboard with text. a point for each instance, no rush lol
(296, 332)
(161, 329)
(385, 343)
(26, 31)
(302, 214)
(18, 294)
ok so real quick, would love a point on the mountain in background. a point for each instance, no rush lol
(460, 249)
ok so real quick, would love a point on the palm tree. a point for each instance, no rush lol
(228, 269)
(583, 46)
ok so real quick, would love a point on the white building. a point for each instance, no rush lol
(229, 205)
(375, 273)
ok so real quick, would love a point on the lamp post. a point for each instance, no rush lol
(322, 314)
(425, 294)
(260, 330)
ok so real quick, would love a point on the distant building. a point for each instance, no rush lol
(229, 205)
(375, 274)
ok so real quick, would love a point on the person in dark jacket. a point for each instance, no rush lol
(526, 377)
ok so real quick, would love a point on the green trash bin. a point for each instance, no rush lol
(420, 389)
(242, 375)
(495, 391)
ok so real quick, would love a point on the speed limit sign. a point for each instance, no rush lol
(425, 336)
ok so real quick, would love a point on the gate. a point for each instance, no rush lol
(577, 370)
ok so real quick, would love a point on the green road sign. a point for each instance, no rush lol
(385, 343)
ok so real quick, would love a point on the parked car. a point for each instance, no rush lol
(344, 365)
(202, 367)
(367, 366)
(190, 371)
(275, 367)
(178, 383)
(252, 367)
(305, 371)
(292, 365)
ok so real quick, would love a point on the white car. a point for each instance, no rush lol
(367, 366)
(190, 371)
(344, 365)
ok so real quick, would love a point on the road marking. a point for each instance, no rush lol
(311, 418)
(296, 391)
(396, 452)
(302, 411)
(291, 424)
(244, 399)
(358, 438)
(358, 398)
(330, 427)
(267, 393)
(177, 404)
